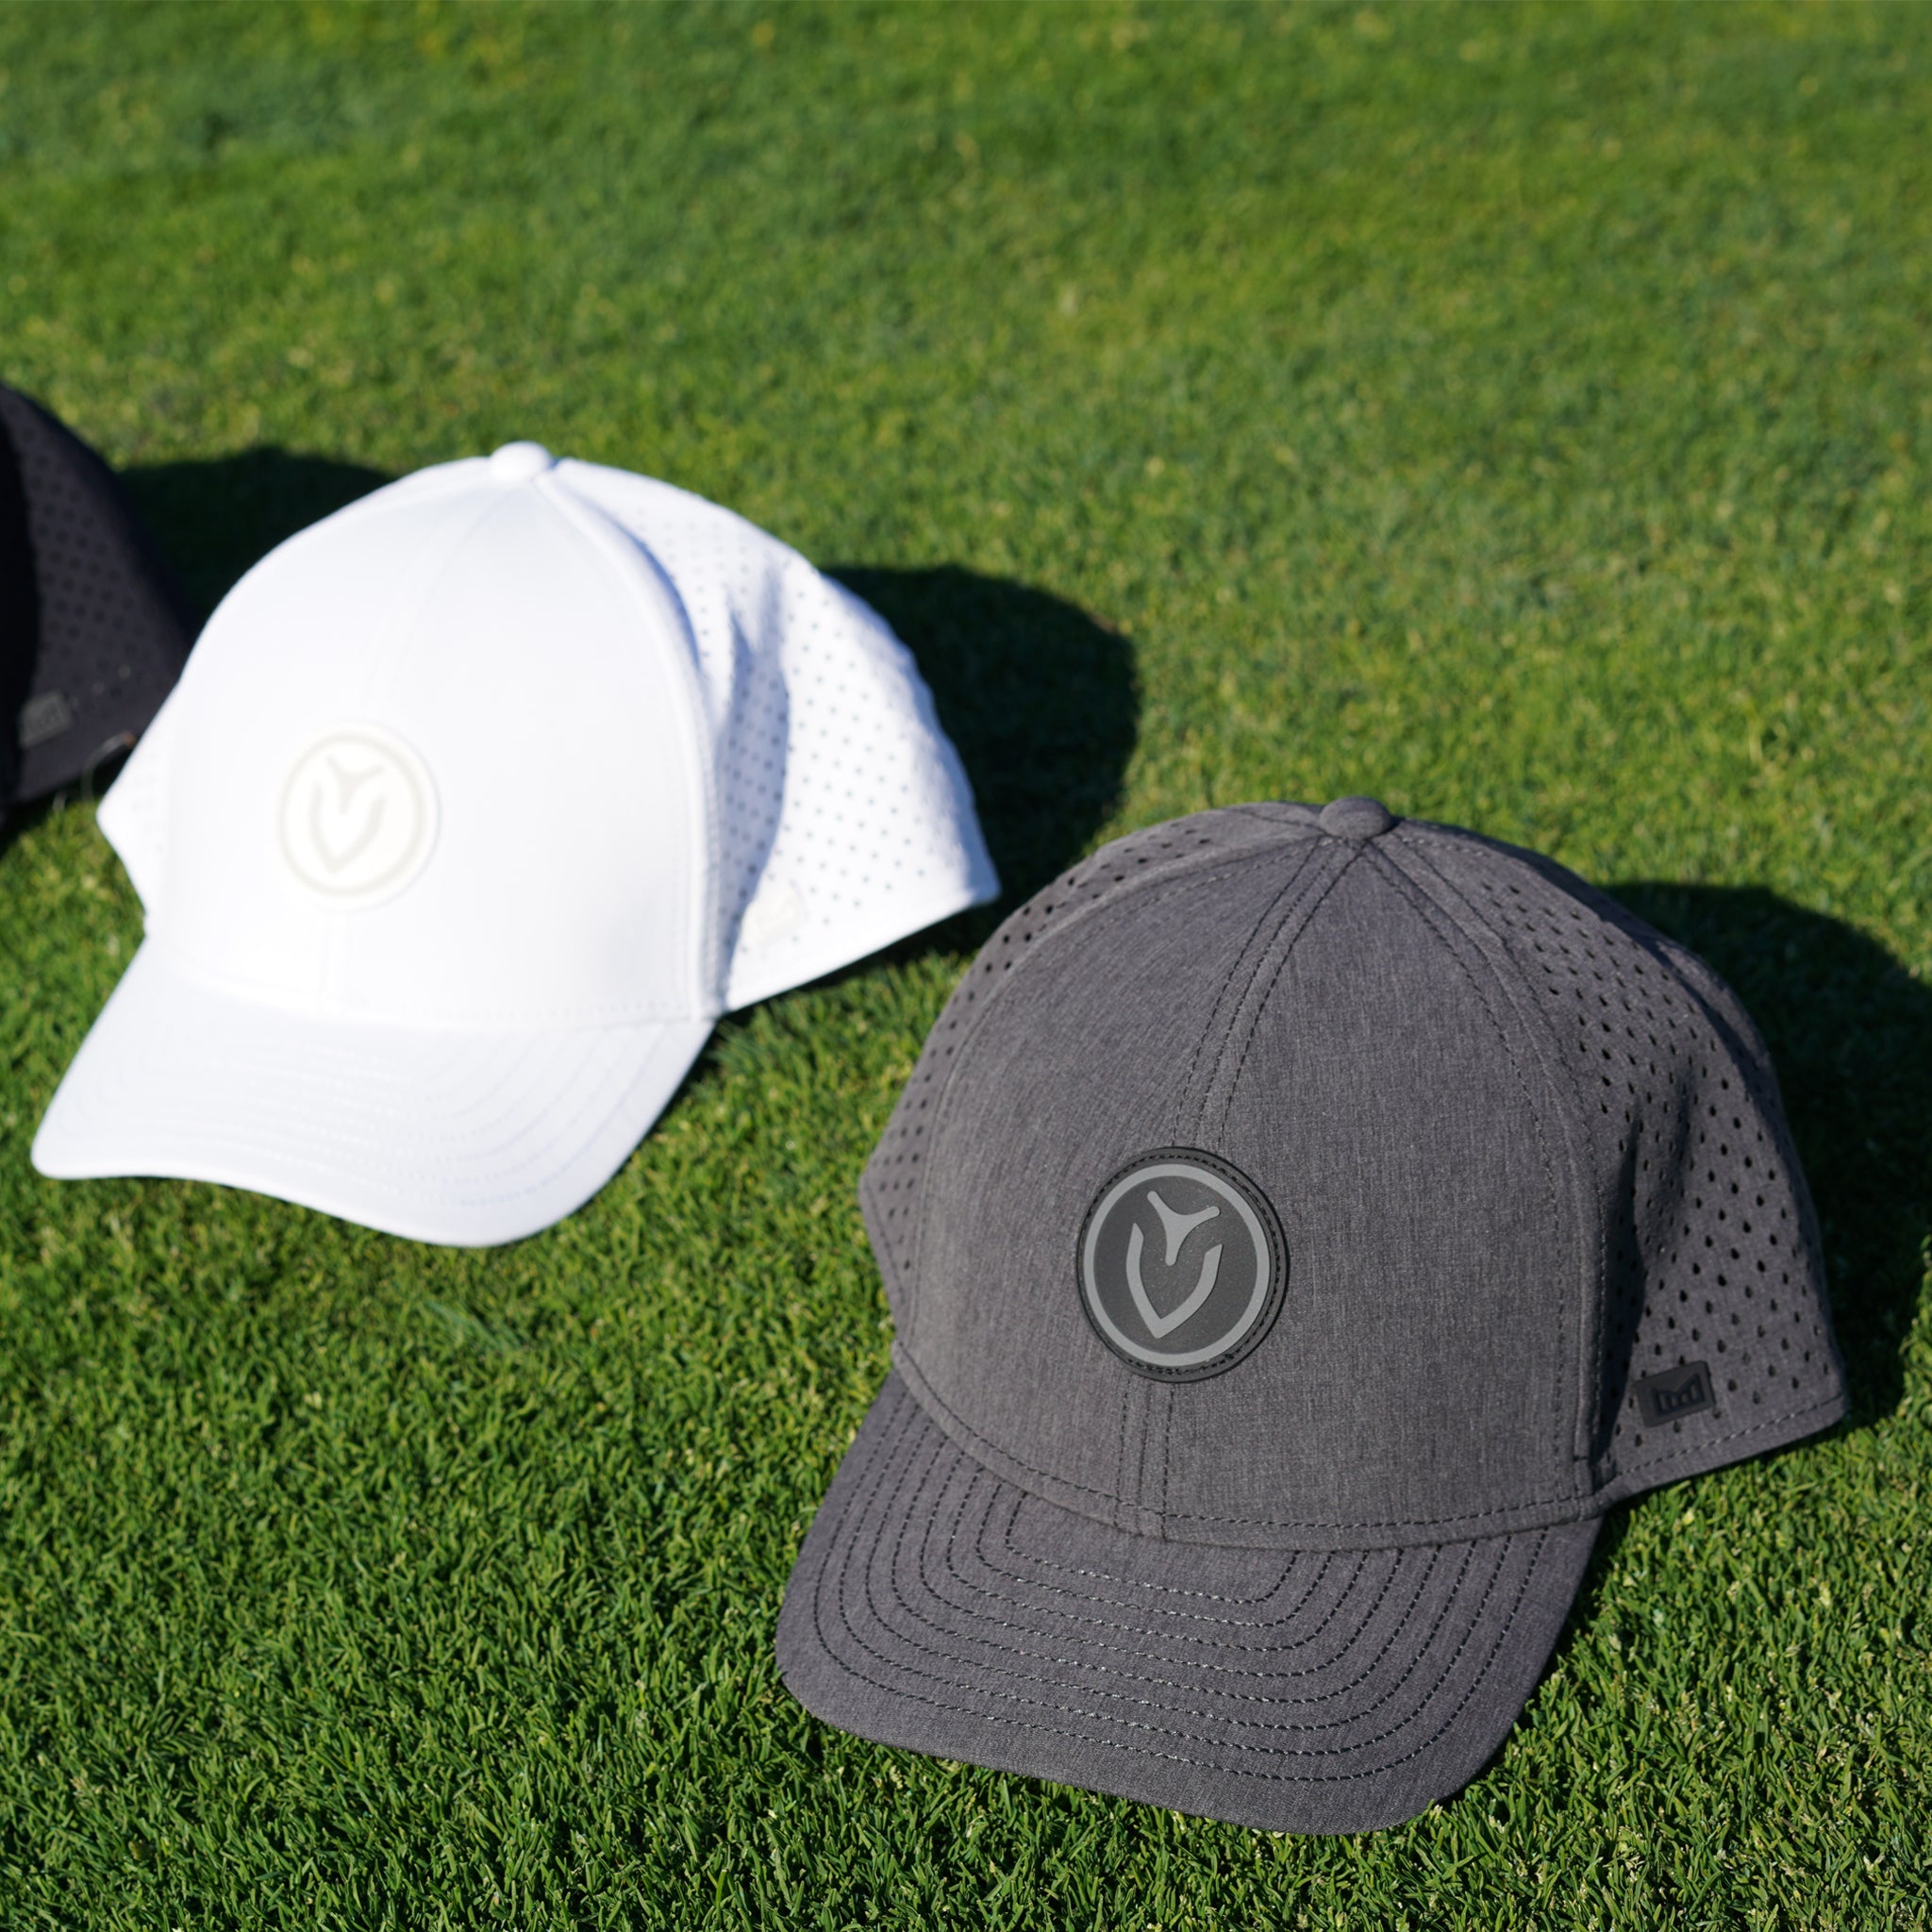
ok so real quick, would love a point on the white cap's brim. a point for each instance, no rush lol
(467, 1138)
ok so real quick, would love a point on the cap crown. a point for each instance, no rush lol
(1523, 1152)
(626, 710)
(467, 659)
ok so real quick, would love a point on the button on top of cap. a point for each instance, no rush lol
(516, 462)
(1355, 818)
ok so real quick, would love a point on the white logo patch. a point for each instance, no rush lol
(357, 818)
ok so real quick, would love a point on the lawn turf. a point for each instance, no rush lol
(1523, 415)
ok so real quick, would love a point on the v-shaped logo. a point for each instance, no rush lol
(1177, 1227)
(1209, 1296)
(340, 797)
(358, 816)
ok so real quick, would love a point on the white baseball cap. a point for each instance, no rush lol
(476, 805)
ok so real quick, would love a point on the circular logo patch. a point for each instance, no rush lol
(1182, 1264)
(358, 816)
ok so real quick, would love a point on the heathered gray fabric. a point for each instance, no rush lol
(1524, 1152)
(1284, 1011)
(938, 1607)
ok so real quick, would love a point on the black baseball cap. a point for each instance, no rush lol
(1301, 1227)
(93, 630)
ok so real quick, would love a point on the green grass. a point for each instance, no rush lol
(1525, 416)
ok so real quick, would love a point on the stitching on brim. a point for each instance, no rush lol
(1153, 1653)
(1016, 1559)
(894, 1509)
(825, 1576)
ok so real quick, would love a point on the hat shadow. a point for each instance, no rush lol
(1041, 702)
(1850, 1033)
(215, 517)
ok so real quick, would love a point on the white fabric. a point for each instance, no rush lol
(441, 1135)
(515, 772)
(846, 818)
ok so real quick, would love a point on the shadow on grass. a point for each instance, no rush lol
(214, 519)
(1042, 703)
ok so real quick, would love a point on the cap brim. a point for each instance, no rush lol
(937, 1606)
(461, 1136)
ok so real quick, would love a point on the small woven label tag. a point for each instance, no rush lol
(42, 718)
(1675, 1394)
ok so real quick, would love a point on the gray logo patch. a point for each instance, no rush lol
(1182, 1264)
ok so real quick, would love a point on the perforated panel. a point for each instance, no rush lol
(1711, 1252)
(877, 809)
(113, 632)
(844, 816)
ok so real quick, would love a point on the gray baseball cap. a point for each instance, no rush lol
(1300, 1228)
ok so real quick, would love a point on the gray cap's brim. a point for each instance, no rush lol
(938, 1608)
